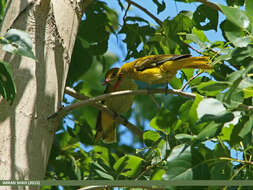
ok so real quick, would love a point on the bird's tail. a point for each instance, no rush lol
(105, 128)
(193, 63)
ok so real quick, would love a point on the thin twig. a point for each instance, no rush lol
(236, 160)
(158, 21)
(147, 12)
(118, 118)
(192, 78)
(74, 94)
(188, 45)
(235, 174)
(155, 102)
(124, 17)
(148, 168)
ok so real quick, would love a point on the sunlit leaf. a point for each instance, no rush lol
(151, 137)
(247, 128)
(235, 34)
(131, 165)
(18, 42)
(236, 16)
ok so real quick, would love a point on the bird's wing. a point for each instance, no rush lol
(156, 60)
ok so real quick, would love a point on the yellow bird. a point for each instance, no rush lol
(157, 69)
(106, 126)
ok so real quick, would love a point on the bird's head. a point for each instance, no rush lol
(111, 76)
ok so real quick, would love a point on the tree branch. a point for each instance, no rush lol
(146, 11)
(236, 160)
(91, 101)
(118, 118)
(188, 45)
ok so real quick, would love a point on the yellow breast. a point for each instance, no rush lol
(122, 104)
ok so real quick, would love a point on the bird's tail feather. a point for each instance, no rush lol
(105, 128)
(194, 63)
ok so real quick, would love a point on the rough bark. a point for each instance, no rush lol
(26, 135)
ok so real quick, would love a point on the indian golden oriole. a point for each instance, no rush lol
(106, 126)
(157, 69)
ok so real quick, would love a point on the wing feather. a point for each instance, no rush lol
(156, 60)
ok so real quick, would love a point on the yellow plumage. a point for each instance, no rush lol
(106, 126)
(156, 69)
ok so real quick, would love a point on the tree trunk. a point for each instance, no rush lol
(26, 135)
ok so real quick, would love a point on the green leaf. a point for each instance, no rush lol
(184, 110)
(232, 98)
(84, 133)
(102, 153)
(19, 43)
(211, 130)
(248, 92)
(242, 56)
(236, 16)
(193, 111)
(158, 175)
(164, 120)
(194, 38)
(237, 116)
(233, 3)
(204, 13)
(7, 85)
(226, 133)
(211, 88)
(104, 175)
(150, 138)
(179, 164)
(182, 23)
(247, 128)
(235, 34)
(160, 6)
(249, 8)
(245, 83)
(128, 165)
(184, 138)
(210, 106)
(135, 35)
(236, 76)
(221, 171)
(221, 117)
(65, 141)
(176, 83)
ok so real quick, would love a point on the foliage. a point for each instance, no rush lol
(185, 139)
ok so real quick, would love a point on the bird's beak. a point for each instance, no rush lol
(106, 81)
